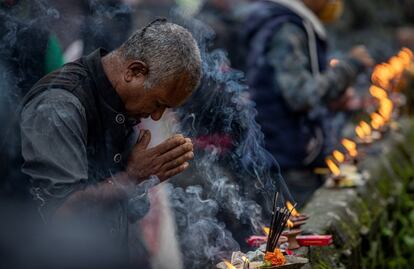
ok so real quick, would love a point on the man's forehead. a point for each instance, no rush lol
(178, 91)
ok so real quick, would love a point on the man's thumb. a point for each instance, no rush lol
(144, 139)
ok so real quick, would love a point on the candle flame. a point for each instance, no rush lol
(397, 64)
(406, 56)
(339, 156)
(382, 75)
(377, 121)
(289, 224)
(359, 132)
(348, 143)
(266, 230)
(385, 109)
(366, 128)
(350, 146)
(290, 207)
(378, 92)
(229, 265)
(408, 51)
(333, 167)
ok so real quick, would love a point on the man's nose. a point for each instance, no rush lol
(157, 114)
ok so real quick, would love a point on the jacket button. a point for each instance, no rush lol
(120, 118)
(117, 157)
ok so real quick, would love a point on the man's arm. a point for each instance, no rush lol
(53, 132)
(289, 55)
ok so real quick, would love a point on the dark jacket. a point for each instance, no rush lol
(101, 230)
(287, 132)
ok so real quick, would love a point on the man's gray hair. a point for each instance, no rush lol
(168, 49)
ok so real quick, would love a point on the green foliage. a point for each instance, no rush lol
(392, 246)
(321, 265)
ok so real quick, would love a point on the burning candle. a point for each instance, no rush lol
(402, 61)
(333, 167)
(339, 156)
(366, 128)
(363, 131)
(350, 146)
(296, 219)
(266, 230)
(397, 65)
(382, 75)
(289, 224)
(377, 121)
(406, 56)
(292, 209)
(360, 132)
(378, 92)
(387, 74)
(385, 109)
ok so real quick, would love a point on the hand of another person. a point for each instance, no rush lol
(361, 54)
(164, 161)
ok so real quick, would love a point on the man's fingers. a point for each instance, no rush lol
(176, 152)
(175, 171)
(170, 143)
(144, 139)
(178, 161)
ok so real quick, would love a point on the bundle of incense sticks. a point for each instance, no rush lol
(280, 216)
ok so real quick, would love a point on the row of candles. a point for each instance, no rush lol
(385, 80)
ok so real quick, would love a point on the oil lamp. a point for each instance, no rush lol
(350, 146)
(339, 156)
(341, 174)
(363, 132)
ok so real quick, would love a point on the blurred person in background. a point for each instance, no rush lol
(383, 26)
(84, 25)
(145, 11)
(295, 90)
(28, 51)
(223, 17)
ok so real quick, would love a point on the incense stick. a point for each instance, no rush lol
(280, 216)
(272, 222)
(287, 216)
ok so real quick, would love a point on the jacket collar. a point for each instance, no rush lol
(306, 14)
(101, 81)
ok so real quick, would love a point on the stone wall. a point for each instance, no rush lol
(366, 222)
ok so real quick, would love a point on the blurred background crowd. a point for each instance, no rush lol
(306, 64)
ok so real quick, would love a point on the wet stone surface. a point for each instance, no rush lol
(352, 215)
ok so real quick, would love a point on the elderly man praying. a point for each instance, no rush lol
(80, 149)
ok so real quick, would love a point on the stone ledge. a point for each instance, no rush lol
(351, 215)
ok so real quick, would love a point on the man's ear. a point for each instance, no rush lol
(135, 69)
